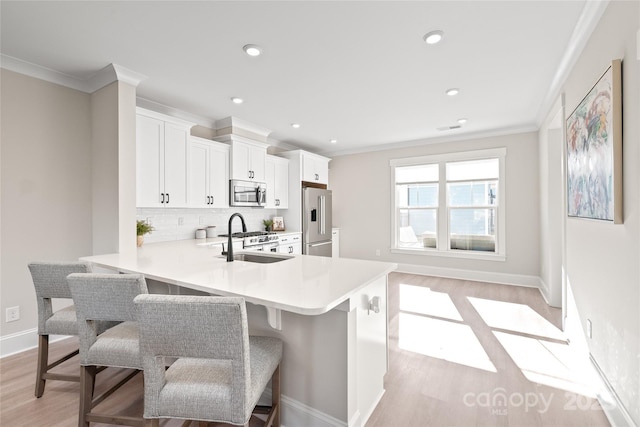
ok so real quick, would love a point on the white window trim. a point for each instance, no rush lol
(443, 247)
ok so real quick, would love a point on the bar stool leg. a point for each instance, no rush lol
(43, 361)
(87, 384)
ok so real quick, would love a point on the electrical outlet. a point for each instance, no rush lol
(377, 252)
(149, 220)
(13, 314)
(589, 330)
(180, 220)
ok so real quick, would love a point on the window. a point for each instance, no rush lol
(449, 204)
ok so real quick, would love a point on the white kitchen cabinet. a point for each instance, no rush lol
(290, 244)
(335, 242)
(248, 158)
(161, 160)
(277, 179)
(208, 174)
(315, 168)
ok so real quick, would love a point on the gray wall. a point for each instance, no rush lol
(46, 185)
(362, 207)
(603, 259)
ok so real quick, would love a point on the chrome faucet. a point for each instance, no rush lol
(229, 242)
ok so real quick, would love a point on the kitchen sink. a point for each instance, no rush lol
(259, 257)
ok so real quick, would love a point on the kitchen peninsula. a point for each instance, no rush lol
(330, 313)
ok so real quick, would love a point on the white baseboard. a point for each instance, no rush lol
(18, 342)
(544, 291)
(295, 413)
(613, 408)
(478, 276)
(363, 420)
(23, 341)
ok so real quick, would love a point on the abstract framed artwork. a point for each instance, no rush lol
(594, 151)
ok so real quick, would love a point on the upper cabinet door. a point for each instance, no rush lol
(315, 169)
(199, 196)
(258, 163)
(208, 174)
(248, 161)
(149, 162)
(270, 179)
(219, 175)
(175, 165)
(161, 160)
(277, 179)
(281, 183)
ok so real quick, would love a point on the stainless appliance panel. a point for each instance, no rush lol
(319, 249)
(247, 193)
(316, 221)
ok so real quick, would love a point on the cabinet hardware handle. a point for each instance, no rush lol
(167, 198)
(162, 198)
(211, 199)
(208, 200)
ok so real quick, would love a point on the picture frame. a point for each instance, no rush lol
(594, 151)
(278, 223)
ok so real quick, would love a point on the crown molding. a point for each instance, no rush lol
(587, 22)
(42, 73)
(147, 104)
(235, 122)
(439, 140)
(109, 74)
(112, 73)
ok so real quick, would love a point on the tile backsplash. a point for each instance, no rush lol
(181, 224)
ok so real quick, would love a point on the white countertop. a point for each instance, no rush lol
(303, 284)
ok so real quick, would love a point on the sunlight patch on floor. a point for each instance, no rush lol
(515, 317)
(549, 363)
(450, 341)
(418, 299)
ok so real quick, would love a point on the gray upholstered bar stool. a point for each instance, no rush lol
(106, 297)
(219, 372)
(50, 281)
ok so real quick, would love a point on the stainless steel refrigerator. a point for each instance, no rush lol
(316, 221)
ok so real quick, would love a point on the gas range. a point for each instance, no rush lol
(256, 240)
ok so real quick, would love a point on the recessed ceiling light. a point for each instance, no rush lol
(237, 100)
(333, 141)
(433, 37)
(295, 125)
(462, 121)
(453, 91)
(252, 49)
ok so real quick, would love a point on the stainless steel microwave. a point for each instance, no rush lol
(247, 193)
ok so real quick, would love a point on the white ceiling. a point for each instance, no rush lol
(355, 71)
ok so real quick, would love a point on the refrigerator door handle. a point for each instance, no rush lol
(321, 225)
(315, 245)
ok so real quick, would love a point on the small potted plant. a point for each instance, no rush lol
(142, 228)
(267, 224)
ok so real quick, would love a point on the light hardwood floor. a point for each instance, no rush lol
(477, 354)
(456, 349)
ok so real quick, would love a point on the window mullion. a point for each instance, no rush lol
(443, 217)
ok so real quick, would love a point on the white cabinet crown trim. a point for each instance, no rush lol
(164, 117)
(230, 138)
